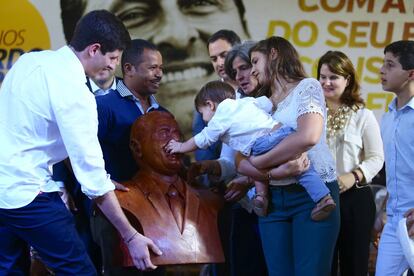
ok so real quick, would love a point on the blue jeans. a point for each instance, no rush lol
(48, 226)
(293, 243)
(82, 214)
(310, 179)
(390, 260)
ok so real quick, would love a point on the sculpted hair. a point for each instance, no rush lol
(286, 65)
(133, 53)
(228, 35)
(144, 124)
(241, 51)
(215, 91)
(101, 27)
(404, 51)
(339, 64)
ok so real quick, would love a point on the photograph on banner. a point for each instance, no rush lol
(180, 28)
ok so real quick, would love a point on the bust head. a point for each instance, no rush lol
(149, 135)
(185, 226)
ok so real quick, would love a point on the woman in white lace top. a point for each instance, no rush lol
(354, 139)
(293, 243)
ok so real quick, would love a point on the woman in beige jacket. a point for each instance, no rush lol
(354, 139)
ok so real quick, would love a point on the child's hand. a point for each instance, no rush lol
(173, 146)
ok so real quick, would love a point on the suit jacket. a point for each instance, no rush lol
(148, 211)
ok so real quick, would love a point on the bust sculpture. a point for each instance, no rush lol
(179, 218)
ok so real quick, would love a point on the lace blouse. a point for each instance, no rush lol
(307, 97)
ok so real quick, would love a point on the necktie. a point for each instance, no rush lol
(176, 205)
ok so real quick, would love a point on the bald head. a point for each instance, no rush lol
(149, 135)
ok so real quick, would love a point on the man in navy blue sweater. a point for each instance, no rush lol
(134, 96)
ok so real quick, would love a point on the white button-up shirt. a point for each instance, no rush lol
(307, 97)
(397, 130)
(47, 113)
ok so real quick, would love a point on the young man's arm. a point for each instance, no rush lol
(76, 116)
(138, 245)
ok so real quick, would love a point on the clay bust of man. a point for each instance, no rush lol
(180, 219)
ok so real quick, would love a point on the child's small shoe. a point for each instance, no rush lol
(323, 209)
(260, 204)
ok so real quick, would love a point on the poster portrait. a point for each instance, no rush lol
(180, 28)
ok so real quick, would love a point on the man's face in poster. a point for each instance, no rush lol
(180, 28)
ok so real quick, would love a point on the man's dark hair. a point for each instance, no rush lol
(145, 123)
(228, 35)
(101, 27)
(133, 53)
(404, 51)
(215, 91)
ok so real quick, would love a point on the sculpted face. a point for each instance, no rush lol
(180, 29)
(152, 133)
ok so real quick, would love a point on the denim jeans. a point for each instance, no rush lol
(293, 243)
(49, 227)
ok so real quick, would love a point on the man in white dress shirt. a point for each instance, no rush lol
(46, 115)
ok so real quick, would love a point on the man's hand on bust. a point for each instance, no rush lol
(139, 247)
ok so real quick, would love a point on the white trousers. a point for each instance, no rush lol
(390, 260)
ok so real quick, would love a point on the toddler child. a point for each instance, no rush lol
(247, 126)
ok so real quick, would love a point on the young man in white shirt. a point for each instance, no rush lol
(43, 122)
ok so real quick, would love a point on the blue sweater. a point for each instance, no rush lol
(116, 114)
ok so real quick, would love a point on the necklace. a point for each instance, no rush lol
(337, 120)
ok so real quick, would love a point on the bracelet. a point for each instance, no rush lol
(131, 238)
(269, 175)
(357, 181)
